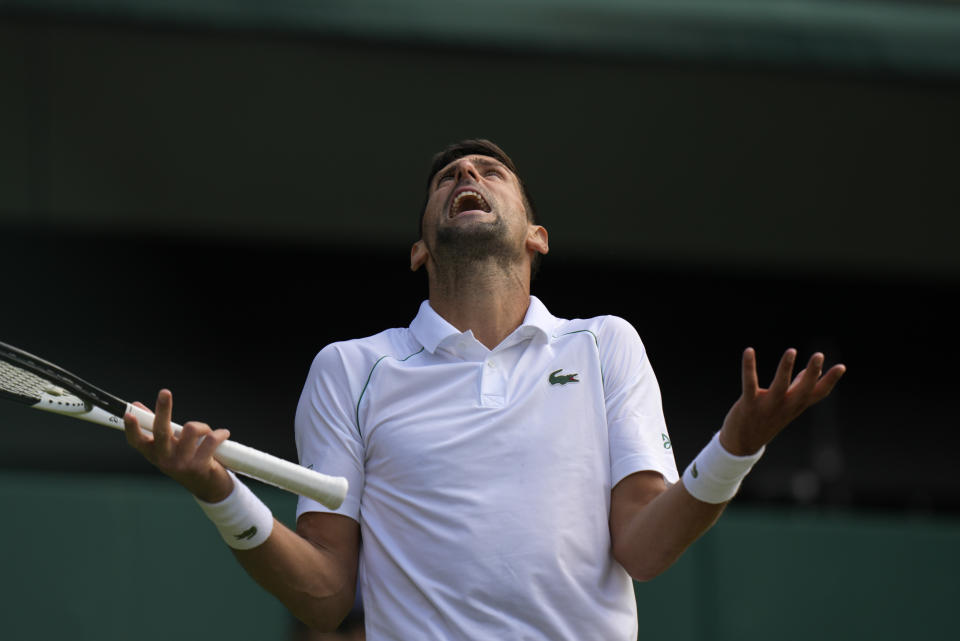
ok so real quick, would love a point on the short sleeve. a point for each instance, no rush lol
(639, 439)
(327, 437)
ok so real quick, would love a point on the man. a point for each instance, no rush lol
(507, 468)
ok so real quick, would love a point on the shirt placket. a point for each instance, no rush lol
(493, 382)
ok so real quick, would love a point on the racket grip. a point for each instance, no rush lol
(327, 490)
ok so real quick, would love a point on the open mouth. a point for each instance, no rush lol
(468, 200)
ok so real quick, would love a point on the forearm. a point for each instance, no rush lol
(651, 526)
(313, 571)
(649, 540)
(315, 584)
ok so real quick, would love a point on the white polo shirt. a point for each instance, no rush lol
(481, 478)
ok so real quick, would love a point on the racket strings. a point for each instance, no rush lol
(20, 382)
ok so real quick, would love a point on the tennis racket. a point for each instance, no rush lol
(45, 386)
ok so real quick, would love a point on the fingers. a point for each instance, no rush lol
(760, 414)
(781, 380)
(826, 384)
(191, 434)
(184, 454)
(805, 381)
(162, 433)
(135, 436)
(748, 373)
(198, 441)
(810, 386)
(166, 447)
(211, 442)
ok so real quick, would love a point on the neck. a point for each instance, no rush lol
(491, 300)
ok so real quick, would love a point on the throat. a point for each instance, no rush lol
(491, 314)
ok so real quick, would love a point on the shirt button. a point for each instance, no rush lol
(491, 365)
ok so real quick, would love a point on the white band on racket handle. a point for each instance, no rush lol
(244, 521)
(715, 474)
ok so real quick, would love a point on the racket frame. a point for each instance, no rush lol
(74, 397)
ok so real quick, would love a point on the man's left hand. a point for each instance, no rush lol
(760, 414)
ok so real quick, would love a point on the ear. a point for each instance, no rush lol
(537, 239)
(418, 255)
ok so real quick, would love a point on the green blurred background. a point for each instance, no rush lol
(200, 195)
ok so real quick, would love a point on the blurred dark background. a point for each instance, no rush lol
(201, 196)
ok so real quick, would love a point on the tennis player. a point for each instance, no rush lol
(509, 471)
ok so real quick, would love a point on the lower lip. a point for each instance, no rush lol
(471, 212)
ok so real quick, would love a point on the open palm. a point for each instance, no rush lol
(760, 414)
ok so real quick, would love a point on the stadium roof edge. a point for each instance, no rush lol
(855, 35)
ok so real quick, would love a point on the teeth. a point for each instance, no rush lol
(454, 207)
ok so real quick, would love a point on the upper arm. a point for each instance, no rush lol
(316, 577)
(337, 536)
(628, 497)
(326, 430)
(313, 571)
(637, 431)
(651, 524)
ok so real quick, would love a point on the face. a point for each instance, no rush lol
(475, 208)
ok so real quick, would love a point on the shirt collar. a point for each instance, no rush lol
(430, 329)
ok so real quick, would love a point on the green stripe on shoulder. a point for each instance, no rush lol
(595, 340)
(582, 331)
(412, 355)
(367, 383)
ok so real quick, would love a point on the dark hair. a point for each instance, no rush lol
(478, 147)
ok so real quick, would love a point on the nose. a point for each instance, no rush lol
(467, 169)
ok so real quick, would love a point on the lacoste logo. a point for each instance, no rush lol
(562, 379)
(694, 471)
(247, 534)
(666, 441)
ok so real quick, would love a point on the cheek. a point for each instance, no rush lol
(432, 211)
(517, 209)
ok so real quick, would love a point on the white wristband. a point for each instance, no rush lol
(244, 521)
(715, 474)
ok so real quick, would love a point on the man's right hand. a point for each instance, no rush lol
(313, 571)
(186, 457)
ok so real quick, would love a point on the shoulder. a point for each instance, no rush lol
(353, 359)
(618, 346)
(608, 331)
(390, 341)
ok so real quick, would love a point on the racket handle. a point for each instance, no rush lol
(327, 490)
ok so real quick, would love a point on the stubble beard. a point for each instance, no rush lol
(459, 250)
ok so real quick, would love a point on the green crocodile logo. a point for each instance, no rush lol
(562, 379)
(694, 471)
(247, 534)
